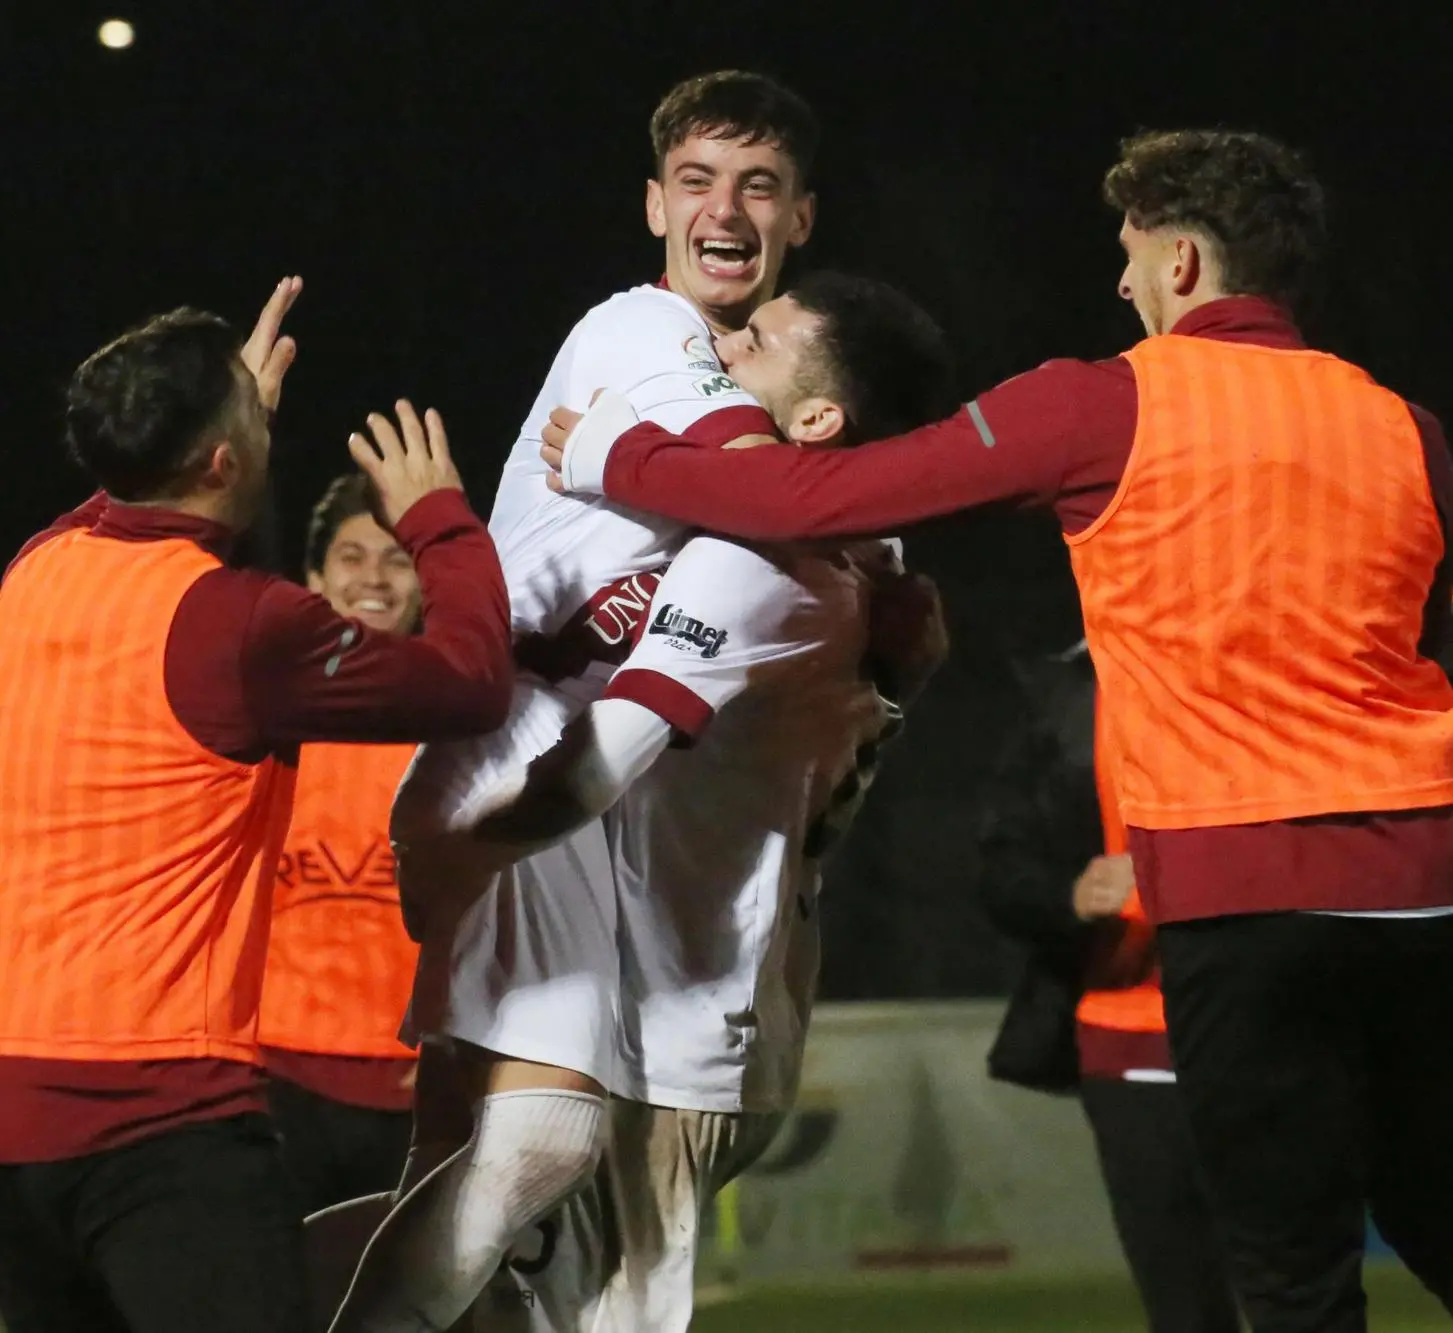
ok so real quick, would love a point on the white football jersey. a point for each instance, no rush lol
(717, 849)
(580, 574)
(562, 553)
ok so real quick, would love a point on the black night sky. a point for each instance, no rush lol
(458, 182)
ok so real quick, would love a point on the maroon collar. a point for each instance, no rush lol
(1242, 319)
(150, 523)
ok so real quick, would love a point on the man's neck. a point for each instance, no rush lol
(1203, 295)
(718, 321)
(194, 506)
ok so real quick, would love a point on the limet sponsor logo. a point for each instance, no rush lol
(686, 633)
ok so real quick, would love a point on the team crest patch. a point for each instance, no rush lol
(709, 386)
(699, 355)
(686, 633)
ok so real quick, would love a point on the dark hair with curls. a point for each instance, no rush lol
(346, 497)
(1254, 197)
(877, 353)
(137, 410)
(735, 104)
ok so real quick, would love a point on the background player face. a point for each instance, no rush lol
(774, 358)
(729, 211)
(368, 576)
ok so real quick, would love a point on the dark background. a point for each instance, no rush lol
(458, 182)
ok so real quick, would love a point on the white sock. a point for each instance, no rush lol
(429, 1262)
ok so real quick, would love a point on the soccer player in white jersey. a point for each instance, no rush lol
(717, 847)
(523, 984)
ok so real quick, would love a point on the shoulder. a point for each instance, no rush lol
(248, 607)
(646, 312)
(772, 589)
(1429, 426)
(1067, 375)
(733, 565)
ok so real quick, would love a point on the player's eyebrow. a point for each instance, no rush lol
(683, 167)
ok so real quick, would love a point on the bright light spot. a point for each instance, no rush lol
(116, 34)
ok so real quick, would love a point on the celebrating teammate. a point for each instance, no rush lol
(761, 666)
(1259, 533)
(151, 704)
(525, 983)
(339, 964)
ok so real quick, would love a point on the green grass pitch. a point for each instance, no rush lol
(989, 1303)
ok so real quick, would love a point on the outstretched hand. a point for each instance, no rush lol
(267, 355)
(406, 464)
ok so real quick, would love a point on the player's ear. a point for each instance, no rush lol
(817, 421)
(1188, 259)
(804, 214)
(656, 208)
(219, 467)
(315, 581)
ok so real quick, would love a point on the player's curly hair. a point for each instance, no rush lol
(346, 497)
(736, 104)
(138, 409)
(1254, 197)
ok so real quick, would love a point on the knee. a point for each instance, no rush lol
(565, 1164)
(537, 1149)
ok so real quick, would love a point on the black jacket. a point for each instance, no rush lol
(1039, 833)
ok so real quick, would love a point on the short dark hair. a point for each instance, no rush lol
(346, 497)
(736, 104)
(878, 353)
(137, 409)
(1254, 197)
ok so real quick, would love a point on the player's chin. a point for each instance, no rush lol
(719, 293)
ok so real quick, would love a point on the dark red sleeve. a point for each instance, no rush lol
(1438, 612)
(257, 665)
(84, 515)
(730, 423)
(1058, 435)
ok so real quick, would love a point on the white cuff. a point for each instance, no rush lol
(587, 450)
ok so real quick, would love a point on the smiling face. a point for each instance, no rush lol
(729, 210)
(367, 576)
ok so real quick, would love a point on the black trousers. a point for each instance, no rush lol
(1315, 1056)
(195, 1229)
(1159, 1203)
(334, 1151)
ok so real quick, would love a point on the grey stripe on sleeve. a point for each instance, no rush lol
(976, 415)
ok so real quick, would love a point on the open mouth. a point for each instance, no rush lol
(726, 258)
(375, 612)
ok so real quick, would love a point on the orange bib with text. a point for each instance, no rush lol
(340, 965)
